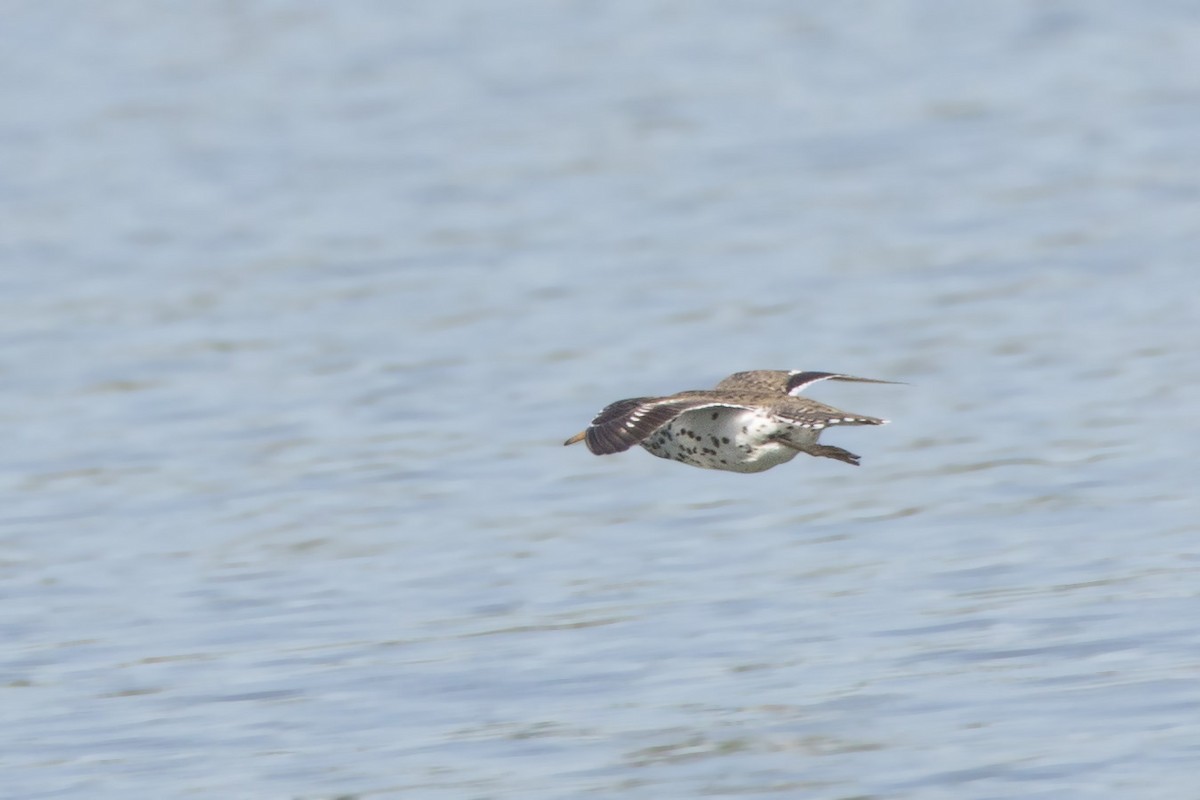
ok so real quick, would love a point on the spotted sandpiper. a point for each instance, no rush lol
(750, 422)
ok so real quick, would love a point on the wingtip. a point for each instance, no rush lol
(799, 380)
(856, 379)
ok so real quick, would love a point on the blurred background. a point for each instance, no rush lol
(298, 302)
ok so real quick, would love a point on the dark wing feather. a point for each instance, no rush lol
(798, 381)
(626, 423)
(781, 382)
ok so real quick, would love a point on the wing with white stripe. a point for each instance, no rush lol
(626, 423)
(797, 382)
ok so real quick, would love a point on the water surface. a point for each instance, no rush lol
(298, 302)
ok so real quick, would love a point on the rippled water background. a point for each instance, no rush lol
(299, 300)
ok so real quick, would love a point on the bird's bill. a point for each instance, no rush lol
(576, 438)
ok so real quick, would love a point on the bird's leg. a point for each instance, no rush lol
(822, 451)
(836, 453)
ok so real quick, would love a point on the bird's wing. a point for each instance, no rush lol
(758, 381)
(811, 414)
(625, 423)
(799, 381)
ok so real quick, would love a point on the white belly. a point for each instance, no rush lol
(736, 440)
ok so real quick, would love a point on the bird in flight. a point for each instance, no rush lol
(750, 422)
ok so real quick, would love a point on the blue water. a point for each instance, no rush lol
(299, 301)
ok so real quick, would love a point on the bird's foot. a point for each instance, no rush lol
(824, 451)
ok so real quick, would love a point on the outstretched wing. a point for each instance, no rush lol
(797, 382)
(810, 414)
(780, 381)
(625, 423)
